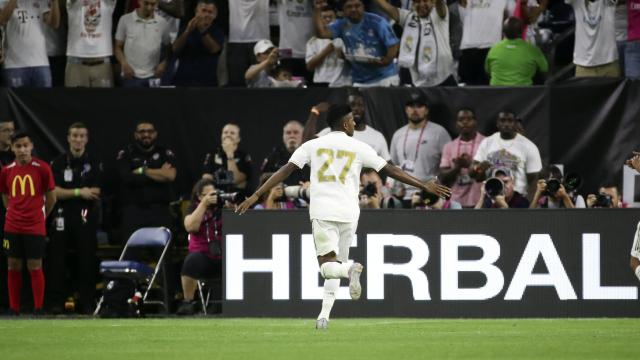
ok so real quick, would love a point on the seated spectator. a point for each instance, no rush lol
(275, 199)
(228, 166)
(595, 53)
(608, 197)
(507, 148)
(89, 44)
(258, 75)
(248, 24)
(417, 146)
(632, 48)
(422, 200)
(499, 192)
(456, 160)
(198, 48)
(427, 54)
(326, 58)
(25, 52)
(514, 61)
(373, 194)
(280, 155)
(141, 38)
(552, 193)
(204, 225)
(372, 60)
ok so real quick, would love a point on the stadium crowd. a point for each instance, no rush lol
(285, 43)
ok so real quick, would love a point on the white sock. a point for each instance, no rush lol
(638, 272)
(334, 270)
(328, 297)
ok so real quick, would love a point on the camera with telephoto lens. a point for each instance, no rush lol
(553, 185)
(603, 201)
(370, 189)
(429, 198)
(493, 187)
(232, 197)
(223, 177)
(297, 192)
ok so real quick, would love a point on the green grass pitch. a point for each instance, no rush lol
(396, 339)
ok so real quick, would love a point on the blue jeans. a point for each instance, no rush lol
(632, 59)
(36, 76)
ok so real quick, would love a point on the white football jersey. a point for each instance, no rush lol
(335, 161)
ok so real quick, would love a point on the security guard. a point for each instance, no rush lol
(146, 171)
(78, 178)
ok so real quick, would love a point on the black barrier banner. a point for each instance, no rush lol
(492, 263)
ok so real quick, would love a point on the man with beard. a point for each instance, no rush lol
(228, 166)
(363, 132)
(417, 146)
(291, 140)
(508, 149)
(457, 156)
(146, 171)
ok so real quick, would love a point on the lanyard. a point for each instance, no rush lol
(404, 146)
(473, 145)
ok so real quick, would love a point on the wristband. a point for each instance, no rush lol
(76, 192)
(315, 111)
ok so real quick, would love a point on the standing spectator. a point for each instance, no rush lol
(621, 28)
(259, 75)
(425, 47)
(198, 48)
(27, 189)
(325, 57)
(506, 198)
(370, 44)
(632, 50)
(417, 146)
(56, 43)
(457, 156)
(140, 38)
(363, 132)
(509, 149)
(78, 177)
(248, 23)
(595, 52)
(228, 166)
(296, 28)
(280, 155)
(514, 61)
(481, 28)
(89, 45)
(6, 157)
(25, 54)
(146, 171)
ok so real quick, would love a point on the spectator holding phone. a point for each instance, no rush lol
(257, 76)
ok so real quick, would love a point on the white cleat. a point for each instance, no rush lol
(355, 289)
(322, 324)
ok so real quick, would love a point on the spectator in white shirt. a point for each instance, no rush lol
(296, 28)
(140, 38)
(25, 53)
(248, 24)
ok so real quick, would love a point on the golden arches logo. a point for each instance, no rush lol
(23, 185)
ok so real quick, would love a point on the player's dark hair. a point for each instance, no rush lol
(469, 110)
(140, 122)
(336, 114)
(197, 189)
(19, 135)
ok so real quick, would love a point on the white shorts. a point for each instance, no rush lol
(333, 236)
(635, 249)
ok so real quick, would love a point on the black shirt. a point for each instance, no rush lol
(6, 157)
(278, 158)
(139, 189)
(70, 172)
(217, 161)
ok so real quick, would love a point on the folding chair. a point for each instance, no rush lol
(205, 291)
(141, 273)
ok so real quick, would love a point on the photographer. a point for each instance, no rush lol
(556, 193)
(373, 195)
(422, 200)
(228, 166)
(204, 225)
(498, 192)
(608, 197)
(275, 198)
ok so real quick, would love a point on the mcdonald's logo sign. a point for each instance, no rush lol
(23, 185)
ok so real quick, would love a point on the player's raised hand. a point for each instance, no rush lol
(433, 187)
(246, 204)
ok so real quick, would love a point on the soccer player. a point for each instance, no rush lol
(335, 161)
(27, 189)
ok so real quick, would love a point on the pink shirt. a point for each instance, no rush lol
(633, 7)
(465, 190)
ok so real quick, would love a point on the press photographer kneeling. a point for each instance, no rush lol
(498, 193)
(373, 195)
(204, 225)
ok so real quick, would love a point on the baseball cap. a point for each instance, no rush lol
(416, 98)
(501, 171)
(262, 46)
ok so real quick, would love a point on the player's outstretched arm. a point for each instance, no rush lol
(274, 180)
(430, 186)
